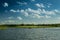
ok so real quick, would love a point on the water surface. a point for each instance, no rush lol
(30, 34)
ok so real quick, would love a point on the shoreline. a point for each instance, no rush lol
(29, 27)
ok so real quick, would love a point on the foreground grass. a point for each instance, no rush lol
(3, 28)
(34, 26)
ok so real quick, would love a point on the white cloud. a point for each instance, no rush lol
(10, 17)
(12, 10)
(40, 5)
(37, 16)
(20, 18)
(9, 21)
(48, 12)
(33, 11)
(24, 12)
(37, 13)
(57, 11)
(20, 3)
(49, 5)
(46, 16)
(40, 11)
(5, 4)
(32, 0)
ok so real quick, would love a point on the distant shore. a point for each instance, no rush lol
(29, 26)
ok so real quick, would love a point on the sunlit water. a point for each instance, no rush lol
(30, 34)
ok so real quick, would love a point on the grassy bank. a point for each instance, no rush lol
(29, 26)
(18, 26)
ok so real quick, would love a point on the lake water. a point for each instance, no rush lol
(30, 34)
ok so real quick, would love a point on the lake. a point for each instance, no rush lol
(30, 34)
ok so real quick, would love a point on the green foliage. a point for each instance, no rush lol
(30, 26)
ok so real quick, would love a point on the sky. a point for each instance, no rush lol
(29, 11)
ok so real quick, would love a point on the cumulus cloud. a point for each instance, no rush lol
(5, 4)
(24, 12)
(37, 13)
(20, 18)
(20, 3)
(12, 10)
(46, 16)
(49, 5)
(40, 16)
(40, 5)
(37, 16)
(9, 22)
(10, 17)
(32, 11)
(48, 12)
(57, 11)
(32, 0)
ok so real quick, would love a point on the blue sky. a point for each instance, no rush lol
(29, 11)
